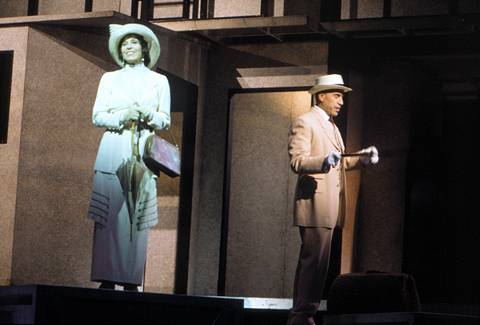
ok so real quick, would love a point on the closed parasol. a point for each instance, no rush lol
(139, 187)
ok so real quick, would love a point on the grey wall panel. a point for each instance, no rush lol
(262, 244)
(13, 39)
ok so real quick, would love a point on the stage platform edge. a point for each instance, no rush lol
(47, 304)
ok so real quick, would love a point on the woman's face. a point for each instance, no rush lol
(131, 49)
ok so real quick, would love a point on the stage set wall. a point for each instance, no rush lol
(247, 95)
(12, 39)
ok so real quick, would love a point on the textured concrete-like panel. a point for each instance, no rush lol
(261, 192)
(11, 39)
(99, 5)
(370, 8)
(126, 7)
(160, 271)
(309, 8)
(374, 8)
(345, 9)
(258, 186)
(171, 11)
(237, 8)
(58, 146)
(55, 7)
(307, 55)
(182, 58)
(13, 8)
(278, 8)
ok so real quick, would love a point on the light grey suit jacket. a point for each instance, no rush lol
(320, 197)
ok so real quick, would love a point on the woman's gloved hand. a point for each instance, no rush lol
(145, 113)
(129, 115)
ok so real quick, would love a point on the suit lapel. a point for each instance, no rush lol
(331, 133)
(339, 140)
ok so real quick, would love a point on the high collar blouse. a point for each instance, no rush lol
(119, 91)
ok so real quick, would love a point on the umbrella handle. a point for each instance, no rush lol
(135, 150)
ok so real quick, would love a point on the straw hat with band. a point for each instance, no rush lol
(329, 82)
(118, 32)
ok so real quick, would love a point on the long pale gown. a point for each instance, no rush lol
(119, 249)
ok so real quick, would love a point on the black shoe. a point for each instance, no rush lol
(107, 285)
(130, 287)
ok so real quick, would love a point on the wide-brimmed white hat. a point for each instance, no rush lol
(118, 32)
(329, 82)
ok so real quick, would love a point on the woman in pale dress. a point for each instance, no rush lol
(131, 96)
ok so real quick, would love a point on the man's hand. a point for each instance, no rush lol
(371, 156)
(332, 159)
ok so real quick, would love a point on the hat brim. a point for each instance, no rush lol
(318, 88)
(118, 32)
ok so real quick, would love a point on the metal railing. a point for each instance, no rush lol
(187, 9)
(330, 10)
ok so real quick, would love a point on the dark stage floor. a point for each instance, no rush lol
(45, 304)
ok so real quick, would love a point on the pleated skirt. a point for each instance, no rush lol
(119, 249)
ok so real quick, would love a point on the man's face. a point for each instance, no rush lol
(330, 102)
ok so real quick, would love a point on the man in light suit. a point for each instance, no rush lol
(315, 149)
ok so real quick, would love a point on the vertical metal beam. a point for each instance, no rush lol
(211, 9)
(134, 11)
(186, 9)
(330, 10)
(222, 260)
(88, 5)
(203, 9)
(186, 181)
(195, 9)
(147, 10)
(32, 9)
(387, 8)
(6, 66)
(266, 8)
(353, 9)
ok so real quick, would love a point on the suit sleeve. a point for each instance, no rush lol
(300, 148)
(352, 163)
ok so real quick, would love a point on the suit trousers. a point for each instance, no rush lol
(311, 273)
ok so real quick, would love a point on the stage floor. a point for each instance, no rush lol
(46, 304)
